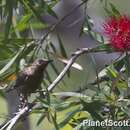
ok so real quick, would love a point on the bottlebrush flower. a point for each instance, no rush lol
(118, 31)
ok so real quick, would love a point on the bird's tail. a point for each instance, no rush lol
(23, 100)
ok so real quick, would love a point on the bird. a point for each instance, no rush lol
(29, 80)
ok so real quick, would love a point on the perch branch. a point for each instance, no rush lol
(75, 55)
(11, 123)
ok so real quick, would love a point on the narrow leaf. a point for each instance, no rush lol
(10, 63)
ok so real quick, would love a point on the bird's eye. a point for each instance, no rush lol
(40, 62)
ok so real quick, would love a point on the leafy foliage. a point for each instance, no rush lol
(105, 98)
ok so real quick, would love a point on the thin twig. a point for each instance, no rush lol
(5, 125)
(70, 63)
(67, 67)
(11, 123)
(17, 117)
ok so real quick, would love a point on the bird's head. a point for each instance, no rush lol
(41, 63)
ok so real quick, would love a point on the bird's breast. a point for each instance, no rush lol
(33, 83)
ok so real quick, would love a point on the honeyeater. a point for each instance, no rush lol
(29, 79)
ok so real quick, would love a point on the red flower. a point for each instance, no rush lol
(118, 30)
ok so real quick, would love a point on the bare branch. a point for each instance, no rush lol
(11, 123)
(75, 55)
(67, 67)
(17, 117)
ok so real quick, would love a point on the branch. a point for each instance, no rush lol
(67, 67)
(75, 55)
(11, 123)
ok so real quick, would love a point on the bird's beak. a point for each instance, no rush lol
(49, 61)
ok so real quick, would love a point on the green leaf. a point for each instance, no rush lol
(122, 84)
(41, 119)
(10, 63)
(114, 10)
(27, 49)
(24, 22)
(38, 25)
(65, 105)
(109, 12)
(5, 52)
(55, 121)
(94, 108)
(45, 104)
(68, 117)
(47, 8)
(9, 20)
(20, 54)
(87, 29)
(53, 47)
(127, 64)
(62, 49)
(111, 72)
(119, 64)
(32, 9)
(73, 94)
(104, 47)
(7, 74)
(51, 12)
(48, 77)
(2, 94)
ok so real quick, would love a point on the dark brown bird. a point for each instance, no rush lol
(29, 79)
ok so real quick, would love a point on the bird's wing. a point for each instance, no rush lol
(21, 79)
(24, 76)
